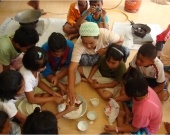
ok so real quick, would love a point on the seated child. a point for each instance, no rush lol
(95, 14)
(152, 68)
(59, 51)
(11, 86)
(14, 44)
(43, 122)
(34, 61)
(7, 126)
(146, 109)
(74, 13)
(106, 74)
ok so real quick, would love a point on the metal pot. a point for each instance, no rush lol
(28, 17)
(140, 30)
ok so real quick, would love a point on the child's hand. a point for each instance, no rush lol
(91, 10)
(90, 81)
(58, 100)
(54, 81)
(94, 85)
(55, 94)
(109, 128)
(70, 108)
(103, 14)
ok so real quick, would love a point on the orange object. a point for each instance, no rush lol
(132, 6)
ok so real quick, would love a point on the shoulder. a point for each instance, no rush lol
(70, 43)
(45, 46)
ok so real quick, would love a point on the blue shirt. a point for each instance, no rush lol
(90, 18)
(48, 69)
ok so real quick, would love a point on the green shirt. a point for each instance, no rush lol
(105, 71)
(7, 50)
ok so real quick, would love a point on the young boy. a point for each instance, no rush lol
(11, 46)
(152, 68)
(59, 52)
(146, 109)
(74, 13)
(91, 44)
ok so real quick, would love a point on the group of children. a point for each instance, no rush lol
(98, 58)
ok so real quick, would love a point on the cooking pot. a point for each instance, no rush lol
(140, 30)
(28, 17)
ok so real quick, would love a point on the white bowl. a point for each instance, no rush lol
(82, 125)
(61, 107)
(91, 115)
(94, 102)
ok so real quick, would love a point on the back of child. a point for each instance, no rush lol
(14, 44)
(107, 71)
(152, 68)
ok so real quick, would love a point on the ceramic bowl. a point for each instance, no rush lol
(82, 125)
(91, 115)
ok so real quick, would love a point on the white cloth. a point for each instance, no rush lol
(105, 38)
(153, 71)
(8, 107)
(30, 81)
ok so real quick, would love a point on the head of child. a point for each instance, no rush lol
(5, 125)
(35, 59)
(11, 85)
(146, 55)
(40, 122)
(135, 84)
(24, 38)
(89, 33)
(96, 3)
(114, 55)
(57, 44)
(82, 3)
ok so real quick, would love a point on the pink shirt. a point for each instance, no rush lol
(147, 112)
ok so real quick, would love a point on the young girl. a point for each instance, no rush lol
(59, 51)
(11, 85)
(34, 61)
(106, 75)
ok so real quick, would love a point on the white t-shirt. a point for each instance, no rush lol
(8, 107)
(30, 81)
(153, 71)
(106, 37)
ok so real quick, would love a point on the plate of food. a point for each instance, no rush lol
(77, 113)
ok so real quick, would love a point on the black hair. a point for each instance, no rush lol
(40, 122)
(35, 58)
(115, 52)
(135, 83)
(10, 84)
(26, 36)
(57, 42)
(3, 119)
(91, 1)
(148, 50)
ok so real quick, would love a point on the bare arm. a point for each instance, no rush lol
(71, 95)
(5, 67)
(159, 87)
(93, 70)
(121, 40)
(21, 117)
(103, 15)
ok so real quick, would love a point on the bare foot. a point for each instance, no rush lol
(72, 36)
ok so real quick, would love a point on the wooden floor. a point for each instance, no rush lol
(149, 13)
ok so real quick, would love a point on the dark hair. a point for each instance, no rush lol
(148, 50)
(115, 52)
(3, 119)
(40, 122)
(10, 84)
(35, 58)
(57, 42)
(91, 1)
(135, 83)
(26, 36)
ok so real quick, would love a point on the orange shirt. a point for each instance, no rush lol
(74, 13)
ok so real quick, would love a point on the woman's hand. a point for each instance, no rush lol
(71, 97)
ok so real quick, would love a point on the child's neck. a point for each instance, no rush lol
(140, 98)
(14, 44)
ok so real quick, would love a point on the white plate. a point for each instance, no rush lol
(62, 107)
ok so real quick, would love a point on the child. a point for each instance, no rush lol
(34, 61)
(43, 122)
(7, 126)
(152, 68)
(146, 109)
(74, 13)
(14, 44)
(106, 74)
(95, 14)
(11, 85)
(92, 43)
(59, 51)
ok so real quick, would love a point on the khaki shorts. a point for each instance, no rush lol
(100, 79)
